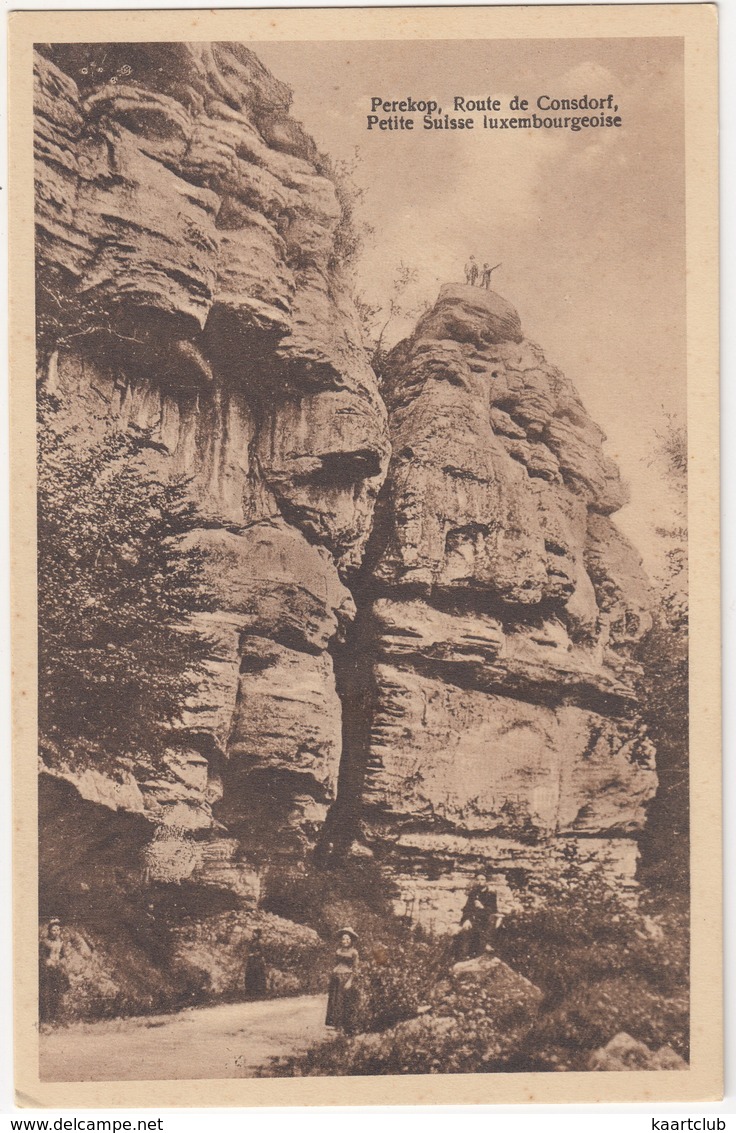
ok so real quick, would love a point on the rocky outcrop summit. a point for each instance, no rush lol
(435, 658)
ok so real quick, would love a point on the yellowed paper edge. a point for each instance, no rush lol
(697, 23)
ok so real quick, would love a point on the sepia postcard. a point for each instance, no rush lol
(365, 556)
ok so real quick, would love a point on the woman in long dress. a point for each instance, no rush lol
(342, 996)
(53, 978)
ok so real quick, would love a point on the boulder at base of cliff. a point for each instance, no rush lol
(506, 993)
(626, 1053)
(423, 1029)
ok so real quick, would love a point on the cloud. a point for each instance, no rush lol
(588, 78)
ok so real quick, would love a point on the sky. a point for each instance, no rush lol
(589, 226)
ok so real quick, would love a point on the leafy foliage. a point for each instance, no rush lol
(352, 892)
(572, 926)
(116, 658)
(352, 234)
(352, 231)
(672, 451)
(398, 964)
(663, 689)
(376, 319)
(397, 978)
(604, 963)
(593, 1013)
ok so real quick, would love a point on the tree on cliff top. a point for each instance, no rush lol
(377, 319)
(114, 589)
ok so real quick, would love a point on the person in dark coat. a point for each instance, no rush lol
(342, 995)
(478, 920)
(256, 974)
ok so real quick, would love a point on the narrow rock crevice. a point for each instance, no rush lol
(355, 684)
(354, 660)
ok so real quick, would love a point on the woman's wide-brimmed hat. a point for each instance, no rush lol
(348, 932)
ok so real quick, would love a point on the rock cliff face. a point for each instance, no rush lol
(189, 242)
(190, 286)
(506, 604)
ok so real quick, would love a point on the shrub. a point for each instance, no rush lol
(398, 965)
(419, 1046)
(474, 1022)
(328, 898)
(114, 592)
(575, 927)
(398, 978)
(594, 1012)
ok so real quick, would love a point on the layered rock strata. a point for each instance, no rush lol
(507, 605)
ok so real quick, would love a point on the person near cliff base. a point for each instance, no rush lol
(342, 995)
(53, 979)
(479, 920)
(256, 973)
(471, 271)
(485, 279)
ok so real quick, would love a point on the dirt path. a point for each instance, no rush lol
(229, 1041)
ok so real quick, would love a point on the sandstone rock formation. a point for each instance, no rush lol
(454, 665)
(506, 605)
(189, 286)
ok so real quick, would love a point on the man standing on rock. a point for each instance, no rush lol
(471, 271)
